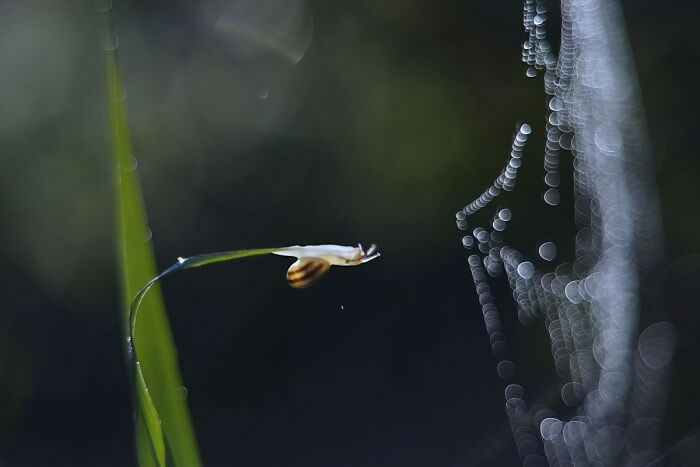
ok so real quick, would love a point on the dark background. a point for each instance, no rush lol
(396, 115)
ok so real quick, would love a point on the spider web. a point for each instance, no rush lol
(614, 377)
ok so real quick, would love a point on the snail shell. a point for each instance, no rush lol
(306, 271)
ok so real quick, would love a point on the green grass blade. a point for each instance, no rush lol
(148, 424)
(163, 424)
(184, 263)
(208, 258)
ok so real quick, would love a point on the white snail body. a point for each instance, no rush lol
(314, 261)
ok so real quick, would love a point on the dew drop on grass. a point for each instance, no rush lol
(133, 164)
(147, 234)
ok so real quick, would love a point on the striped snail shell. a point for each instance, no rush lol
(304, 272)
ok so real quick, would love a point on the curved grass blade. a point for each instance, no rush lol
(163, 428)
(148, 423)
(150, 445)
(187, 263)
(149, 419)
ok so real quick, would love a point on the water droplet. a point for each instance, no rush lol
(468, 241)
(499, 349)
(552, 179)
(571, 292)
(548, 251)
(608, 139)
(504, 214)
(505, 369)
(525, 129)
(574, 432)
(556, 104)
(550, 427)
(551, 197)
(132, 165)
(147, 234)
(566, 140)
(499, 225)
(657, 344)
(526, 269)
(572, 393)
(514, 391)
(530, 72)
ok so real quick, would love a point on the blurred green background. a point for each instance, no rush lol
(276, 122)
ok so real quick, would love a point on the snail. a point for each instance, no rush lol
(314, 261)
